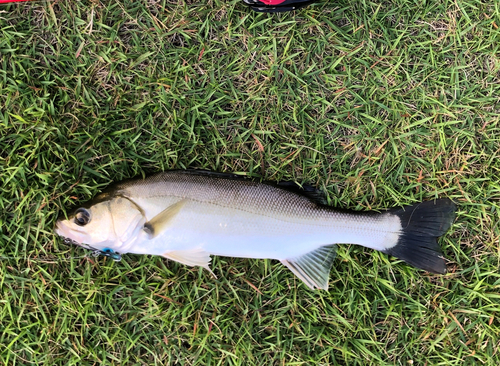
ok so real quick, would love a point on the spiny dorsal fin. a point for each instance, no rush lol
(314, 267)
(161, 221)
(191, 257)
(306, 190)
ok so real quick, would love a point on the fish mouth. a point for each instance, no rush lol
(60, 230)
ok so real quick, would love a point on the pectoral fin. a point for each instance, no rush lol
(314, 267)
(192, 257)
(160, 222)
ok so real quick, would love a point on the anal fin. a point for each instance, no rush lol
(314, 267)
(191, 257)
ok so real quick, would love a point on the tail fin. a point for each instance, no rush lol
(422, 224)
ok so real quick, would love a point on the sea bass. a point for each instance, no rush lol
(187, 216)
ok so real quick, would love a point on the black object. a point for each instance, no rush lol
(277, 6)
(421, 225)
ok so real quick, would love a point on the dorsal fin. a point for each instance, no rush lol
(314, 267)
(306, 190)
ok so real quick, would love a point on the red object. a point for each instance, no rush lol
(12, 1)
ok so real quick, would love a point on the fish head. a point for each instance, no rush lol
(109, 224)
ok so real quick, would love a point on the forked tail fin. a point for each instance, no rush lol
(422, 224)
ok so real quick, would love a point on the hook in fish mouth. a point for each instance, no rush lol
(107, 252)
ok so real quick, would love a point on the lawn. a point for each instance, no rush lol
(378, 103)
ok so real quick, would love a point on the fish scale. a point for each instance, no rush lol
(224, 192)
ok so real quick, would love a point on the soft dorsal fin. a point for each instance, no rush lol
(160, 222)
(306, 190)
(314, 267)
(191, 257)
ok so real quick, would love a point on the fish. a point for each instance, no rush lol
(189, 215)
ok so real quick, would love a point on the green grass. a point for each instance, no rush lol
(380, 104)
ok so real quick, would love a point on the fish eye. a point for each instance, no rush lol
(82, 217)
